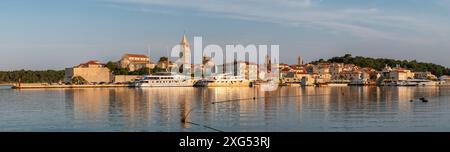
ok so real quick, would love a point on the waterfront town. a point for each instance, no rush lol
(139, 68)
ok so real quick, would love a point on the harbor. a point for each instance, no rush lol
(140, 70)
(225, 75)
(243, 109)
(197, 83)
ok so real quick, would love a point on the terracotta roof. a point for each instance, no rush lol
(285, 70)
(135, 55)
(91, 62)
(297, 67)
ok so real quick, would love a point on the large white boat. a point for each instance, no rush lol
(420, 82)
(224, 80)
(164, 79)
(413, 82)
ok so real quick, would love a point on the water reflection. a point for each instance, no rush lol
(286, 109)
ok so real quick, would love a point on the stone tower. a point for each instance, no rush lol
(185, 52)
(300, 60)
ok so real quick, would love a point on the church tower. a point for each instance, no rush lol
(185, 52)
(300, 60)
(268, 64)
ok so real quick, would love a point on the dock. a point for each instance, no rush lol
(50, 86)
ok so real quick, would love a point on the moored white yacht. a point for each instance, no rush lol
(164, 79)
(224, 80)
(419, 82)
(413, 82)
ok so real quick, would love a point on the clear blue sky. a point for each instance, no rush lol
(53, 34)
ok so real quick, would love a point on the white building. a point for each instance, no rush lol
(240, 68)
(445, 79)
(425, 75)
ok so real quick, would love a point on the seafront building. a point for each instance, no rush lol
(350, 74)
(246, 69)
(91, 71)
(425, 75)
(444, 80)
(135, 62)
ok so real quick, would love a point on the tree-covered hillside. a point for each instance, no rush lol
(27, 76)
(379, 64)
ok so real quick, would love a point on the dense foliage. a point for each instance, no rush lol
(380, 63)
(28, 76)
(163, 59)
(79, 80)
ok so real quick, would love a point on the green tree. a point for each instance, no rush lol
(111, 65)
(28, 76)
(78, 80)
(180, 70)
(157, 69)
(163, 59)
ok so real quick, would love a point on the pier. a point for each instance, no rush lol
(49, 86)
(7, 85)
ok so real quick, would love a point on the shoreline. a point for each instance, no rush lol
(48, 86)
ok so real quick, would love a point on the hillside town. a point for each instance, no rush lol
(138, 66)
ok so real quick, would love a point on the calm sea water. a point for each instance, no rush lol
(299, 109)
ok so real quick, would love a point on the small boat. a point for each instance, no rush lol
(423, 99)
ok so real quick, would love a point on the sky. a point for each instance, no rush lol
(55, 34)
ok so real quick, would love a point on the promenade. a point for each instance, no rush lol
(46, 85)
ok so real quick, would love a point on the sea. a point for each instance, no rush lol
(238, 109)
